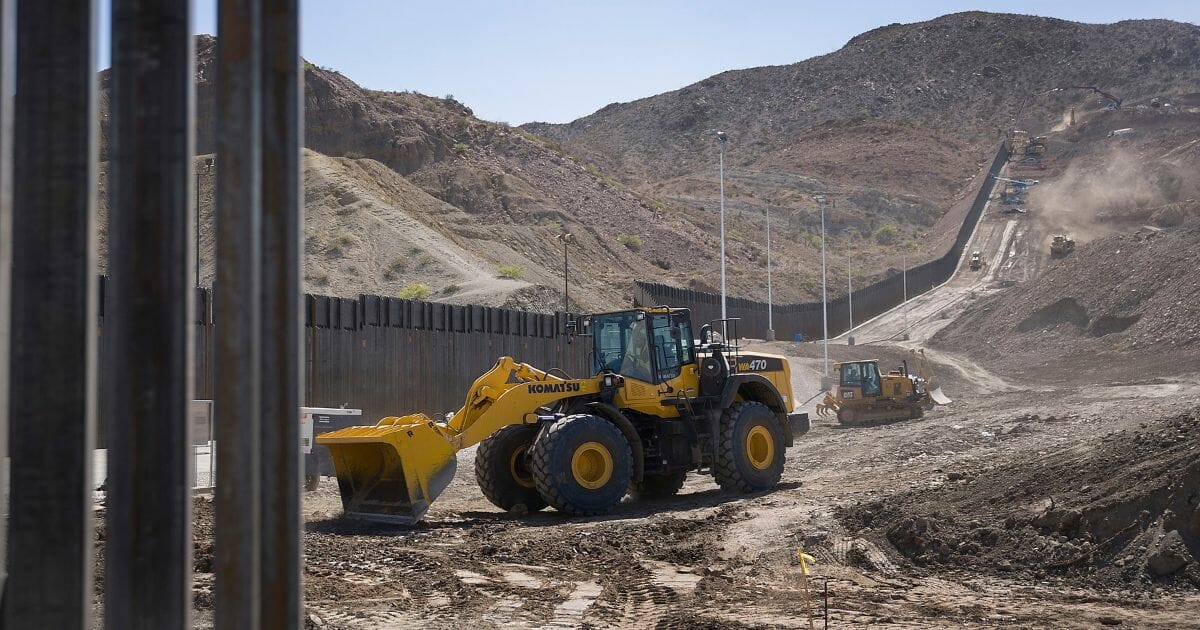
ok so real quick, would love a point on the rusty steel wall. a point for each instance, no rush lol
(805, 318)
(390, 356)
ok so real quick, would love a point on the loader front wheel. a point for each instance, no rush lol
(582, 465)
(750, 449)
(503, 472)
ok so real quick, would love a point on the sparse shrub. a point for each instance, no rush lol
(886, 235)
(344, 239)
(319, 278)
(423, 261)
(633, 242)
(513, 272)
(460, 148)
(451, 289)
(662, 264)
(414, 291)
(395, 268)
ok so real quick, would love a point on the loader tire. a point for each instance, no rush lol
(582, 465)
(502, 469)
(750, 449)
(658, 486)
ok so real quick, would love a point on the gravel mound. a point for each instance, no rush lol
(1126, 303)
(1119, 511)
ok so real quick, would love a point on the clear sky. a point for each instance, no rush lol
(558, 60)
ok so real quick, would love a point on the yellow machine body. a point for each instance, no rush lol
(862, 395)
(394, 470)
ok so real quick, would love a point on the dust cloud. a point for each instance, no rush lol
(1106, 194)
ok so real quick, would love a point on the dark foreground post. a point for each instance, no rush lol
(148, 572)
(236, 317)
(282, 349)
(54, 292)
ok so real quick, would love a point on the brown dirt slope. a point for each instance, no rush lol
(1076, 514)
(1119, 305)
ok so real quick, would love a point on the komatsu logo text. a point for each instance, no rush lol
(552, 388)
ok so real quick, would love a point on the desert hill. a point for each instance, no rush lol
(412, 194)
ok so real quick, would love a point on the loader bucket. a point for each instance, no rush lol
(391, 472)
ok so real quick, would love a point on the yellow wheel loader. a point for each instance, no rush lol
(658, 406)
(863, 396)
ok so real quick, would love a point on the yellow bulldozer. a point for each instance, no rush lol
(1061, 245)
(862, 396)
(658, 405)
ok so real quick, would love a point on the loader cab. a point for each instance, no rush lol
(649, 345)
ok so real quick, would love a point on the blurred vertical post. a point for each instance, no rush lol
(282, 349)
(236, 313)
(54, 285)
(7, 78)
(148, 570)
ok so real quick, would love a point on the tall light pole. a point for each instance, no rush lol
(566, 237)
(208, 166)
(826, 383)
(904, 283)
(770, 315)
(849, 301)
(721, 140)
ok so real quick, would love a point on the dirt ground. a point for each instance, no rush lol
(887, 512)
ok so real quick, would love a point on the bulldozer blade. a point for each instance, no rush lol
(938, 397)
(391, 472)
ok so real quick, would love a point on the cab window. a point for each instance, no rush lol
(668, 350)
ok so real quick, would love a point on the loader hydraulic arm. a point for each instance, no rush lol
(496, 401)
(392, 471)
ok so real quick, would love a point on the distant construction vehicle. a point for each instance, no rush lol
(976, 261)
(1061, 245)
(658, 406)
(864, 397)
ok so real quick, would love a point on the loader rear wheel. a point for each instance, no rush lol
(658, 486)
(582, 465)
(502, 469)
(750, 448)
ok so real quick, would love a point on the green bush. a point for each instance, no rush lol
(460, 148)
(512, 272)
(631, 241)
(415, 291)
(886, 235)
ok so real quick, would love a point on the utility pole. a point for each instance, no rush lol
(721, 140)
(770, 316)
(849, 301)
(904, 283)
(566, 237)
(826, 383)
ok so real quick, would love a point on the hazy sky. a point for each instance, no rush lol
(558, 60)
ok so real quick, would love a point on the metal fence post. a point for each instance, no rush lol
(282, 228)
(7, 54)
(148, 572)
(236, 314)
(54, 285)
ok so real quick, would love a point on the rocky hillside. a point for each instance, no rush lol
(966, 75)
(891, 127)
(414, 194)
